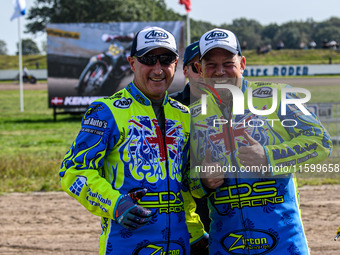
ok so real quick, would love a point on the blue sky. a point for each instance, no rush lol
(214, 11)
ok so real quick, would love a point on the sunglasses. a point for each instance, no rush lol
(193, 67)
(151, 59)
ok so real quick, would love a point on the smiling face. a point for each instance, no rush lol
(153, 80)
(219, 64)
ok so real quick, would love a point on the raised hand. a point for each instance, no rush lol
(210, 175)
(253, 155)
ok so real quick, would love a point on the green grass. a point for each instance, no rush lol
(292, 57)
(32, 144)
(12, 62)
(324, 93)
(274, 57)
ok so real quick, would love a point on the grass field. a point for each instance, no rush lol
(33, 145)
(274, 57)
(12, 62)
(293, 57)
(324, 94)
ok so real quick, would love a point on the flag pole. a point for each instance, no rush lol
(20, 69)
(188, 30)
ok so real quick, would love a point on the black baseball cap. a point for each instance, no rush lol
(190, 52)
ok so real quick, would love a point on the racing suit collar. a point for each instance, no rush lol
(140, 97)
(244, 85)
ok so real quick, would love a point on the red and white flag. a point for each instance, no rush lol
(57, 101)
(187, 4)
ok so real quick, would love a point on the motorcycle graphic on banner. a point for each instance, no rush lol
(89, 60)
(107, 68)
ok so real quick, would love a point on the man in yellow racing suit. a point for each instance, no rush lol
(127, 161)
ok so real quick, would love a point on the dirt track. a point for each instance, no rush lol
(54, 223)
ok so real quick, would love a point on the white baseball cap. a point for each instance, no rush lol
(219, 38)
(152, 38)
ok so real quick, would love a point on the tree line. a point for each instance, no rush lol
(251, 34)
(29, 47)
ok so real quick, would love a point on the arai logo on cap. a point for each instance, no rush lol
(156, 34)
(213, 35)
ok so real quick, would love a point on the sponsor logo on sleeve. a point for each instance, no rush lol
(95, 123)
(78, 185)
(122, 103)
(177, 105)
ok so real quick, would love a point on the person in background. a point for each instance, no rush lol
(190, 71)
(25, 72)
(126, 164)
(253, 200)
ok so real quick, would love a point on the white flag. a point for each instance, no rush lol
(19, 8)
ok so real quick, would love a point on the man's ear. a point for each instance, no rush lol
(185, 72)
(131, 61)
(243, 64)
(176, 64)
(198, 66)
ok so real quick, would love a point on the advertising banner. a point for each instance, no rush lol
(88, 60)
(291, 70)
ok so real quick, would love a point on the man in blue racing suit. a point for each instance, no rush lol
(246, 153)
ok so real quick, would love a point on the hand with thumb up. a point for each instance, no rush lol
(211, 177)
(253, 155)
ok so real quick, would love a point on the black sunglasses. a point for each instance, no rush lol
(151, 59)
(193, 67)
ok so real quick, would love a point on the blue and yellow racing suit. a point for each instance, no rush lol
(120, 148)
(256, 212)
